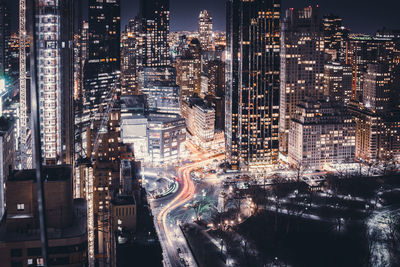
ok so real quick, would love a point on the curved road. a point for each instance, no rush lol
(171, 236)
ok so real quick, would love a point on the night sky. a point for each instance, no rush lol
(359, 15)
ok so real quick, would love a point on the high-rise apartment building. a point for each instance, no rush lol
(337, 76)
(206, 31)
(54, 46)
(302, 64)
(374, 62)
(363, 50)
(130, 57)
(188, 69)
(252, 82)
(188, 75)
(376, 118)
(154, 16)
(320, 135)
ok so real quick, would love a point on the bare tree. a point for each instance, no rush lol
(299, 168)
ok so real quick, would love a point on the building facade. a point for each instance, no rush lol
(154, 16)
(166, 138)
(206, 31)
(337, 82)
(102, 70)
(55, 79)
(252, 82)
(66, 220)
(302, 64)
(7, 158)
(200, 119)
(374, 102)
(131, 49)
(5, 36)
(320, 135)
(162, 93)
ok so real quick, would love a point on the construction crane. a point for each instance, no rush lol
(89, 175)
(22, 84)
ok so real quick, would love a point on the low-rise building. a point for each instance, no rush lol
(166, 136)
(66, 220)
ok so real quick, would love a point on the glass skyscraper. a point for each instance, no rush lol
(155, 29)
(252, 82)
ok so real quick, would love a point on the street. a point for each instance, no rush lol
(169, 213)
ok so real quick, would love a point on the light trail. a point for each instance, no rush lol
(186, 194)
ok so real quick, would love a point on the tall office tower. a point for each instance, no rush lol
(5, 36)
(302, 64)
(337, 77)
(104, 34)
(155, 29)
(335, 37)
(161, 91)
(55, 79)
(130, 57)
(102, 69)
(206, 30)
(252, 82)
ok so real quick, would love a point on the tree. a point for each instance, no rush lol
(299, 168)
(200, 206)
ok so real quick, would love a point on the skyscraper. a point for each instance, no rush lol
(206, 30)
(54, 31)
(374, 105)
(102, 69)
(252, 82)
(104, 34)
(188, 68)
(302, 64)
(335, 36)
(130, 57)
(154, 16)
(337, 76)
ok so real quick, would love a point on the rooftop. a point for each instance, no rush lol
(77, 228)
(49, 173)
(122, 200)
